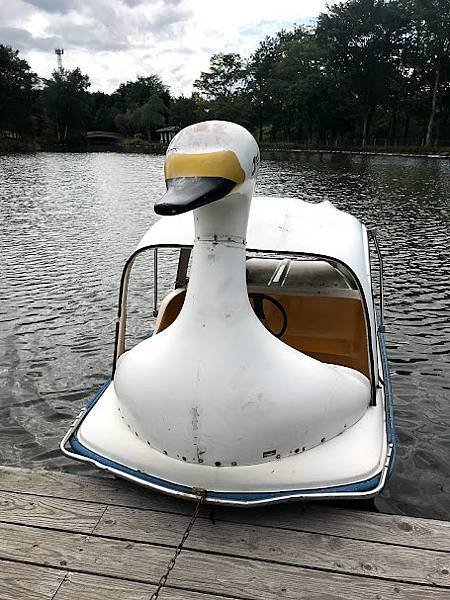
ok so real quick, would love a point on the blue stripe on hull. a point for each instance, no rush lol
(360, 487)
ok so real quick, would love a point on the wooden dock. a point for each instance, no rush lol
(90, 538)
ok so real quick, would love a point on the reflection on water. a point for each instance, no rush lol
(69, 221)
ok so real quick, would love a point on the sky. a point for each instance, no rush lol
(114, 41)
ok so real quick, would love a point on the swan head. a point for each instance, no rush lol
(207, 162)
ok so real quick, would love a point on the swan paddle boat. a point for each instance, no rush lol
(266, 377)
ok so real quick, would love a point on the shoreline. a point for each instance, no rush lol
(125, 147)
(358, 152)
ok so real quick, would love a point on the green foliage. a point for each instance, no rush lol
(136, 93)
(141, 106)
(143, 119)
(224, 89)
(364, 42)
(225, 79)
(429, 56)
(17, 93)
(185, 111)
(101, 112)
(370, 70)
(66, 100)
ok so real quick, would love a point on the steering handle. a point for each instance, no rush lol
(258, 307)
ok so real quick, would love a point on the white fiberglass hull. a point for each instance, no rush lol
(354, 464)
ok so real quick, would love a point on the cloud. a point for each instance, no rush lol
(14, 11)
(115, 40)
(138, 2)
(93, 37)
(23, 40)
(54, 6)
(168, 16)
(264, 27)
(104, 25)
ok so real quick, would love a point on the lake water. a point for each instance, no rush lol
(69, 221)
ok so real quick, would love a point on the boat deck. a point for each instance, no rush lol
(91, 538)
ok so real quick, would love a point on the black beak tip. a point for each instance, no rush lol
(166, 209)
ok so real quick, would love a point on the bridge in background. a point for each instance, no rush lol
(103, 136)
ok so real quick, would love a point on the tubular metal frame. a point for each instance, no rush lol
(383, 382)
(372, 236)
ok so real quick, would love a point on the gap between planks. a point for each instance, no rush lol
(233, 539)
(101, 514)
(20, 580)
(234, 580)
(374, 527)
(425, 568)
(271, 545)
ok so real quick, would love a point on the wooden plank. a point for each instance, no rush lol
(284, 546)
(253, 579)
(101, 489)
(203, 572)
(307, 586)
(78, 552)
(318, 518)
(317, 550)
(82, 586)
(321, 518)
(54, 513)
(270, 552)
(19, 581)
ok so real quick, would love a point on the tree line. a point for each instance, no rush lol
(370, 70)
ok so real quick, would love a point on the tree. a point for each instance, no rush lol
(225, 78)
(17, 92)
(293, 96)
(364, 38)
(143, 119)
(151, 115)
(67, 101)
(429, 51)
(133, 94)
(264, 86)
(224, 88)
(102, 112)
(141, 106)
(185, 111)
(301, 83)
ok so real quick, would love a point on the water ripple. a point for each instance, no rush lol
(69, 221)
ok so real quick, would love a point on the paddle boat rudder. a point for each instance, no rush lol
(266, 378)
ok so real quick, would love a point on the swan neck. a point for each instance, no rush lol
(217, 285)
(218, 274)
(225, 220)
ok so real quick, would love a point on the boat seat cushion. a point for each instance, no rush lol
(330, 329)
(169, 309)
